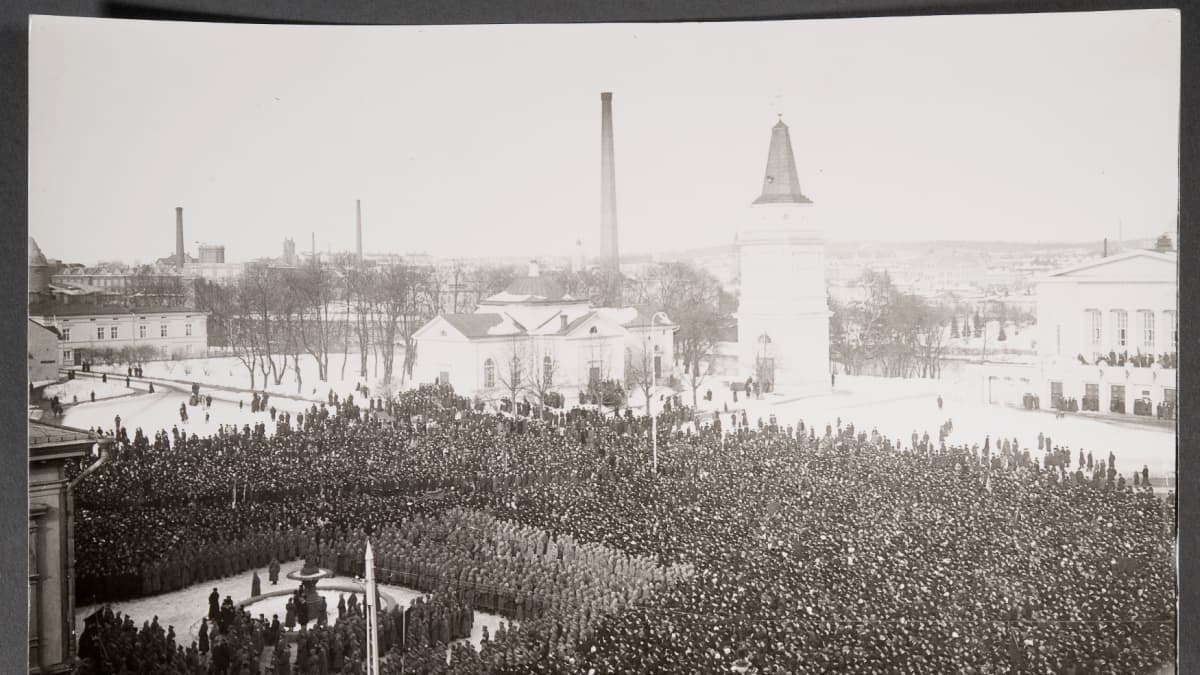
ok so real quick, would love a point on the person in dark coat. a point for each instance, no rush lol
(214, 604)
(255, 585)
(220, 656)
(273, 571)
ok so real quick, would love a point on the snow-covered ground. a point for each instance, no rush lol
(899, 407)
(160, 410)
(82, 388)
(896, 407)
(184, 608)
(228, 371)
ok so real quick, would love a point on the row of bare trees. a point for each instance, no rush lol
(272, 316)
(888, 333)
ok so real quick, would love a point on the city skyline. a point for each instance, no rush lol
(263, 133)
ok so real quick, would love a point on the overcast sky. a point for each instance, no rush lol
(486, 140)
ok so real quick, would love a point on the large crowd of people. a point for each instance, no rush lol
(788, 547)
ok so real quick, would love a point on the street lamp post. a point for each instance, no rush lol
(650, 398)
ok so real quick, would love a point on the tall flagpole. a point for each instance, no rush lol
(372, 616)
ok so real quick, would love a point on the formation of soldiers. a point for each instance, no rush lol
(776, 545)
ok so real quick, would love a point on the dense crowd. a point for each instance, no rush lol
(793, 548)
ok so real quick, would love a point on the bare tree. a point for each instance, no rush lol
(541, 374)
(263, 291)
(510, 373)
(318, 288)
(289, 314)
(931, 338)
(692, 298)
(404, 297)
(639, 369)
(229, 321)
(361, 291)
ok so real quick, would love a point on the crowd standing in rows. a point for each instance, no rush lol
(788, 547)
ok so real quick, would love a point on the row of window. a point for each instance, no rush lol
(1116, 393)
(114, 334)
(489, 371)
(1120, 328)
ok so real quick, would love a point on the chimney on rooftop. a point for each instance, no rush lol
(179, 260)
(609, 252)
(358, 227)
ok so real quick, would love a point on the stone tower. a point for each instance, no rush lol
(39, 273)
(783, 313)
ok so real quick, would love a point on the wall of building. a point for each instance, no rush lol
(43, 354)
(1154, 383)
(1064, 320)
(51, 642)
(662, 338)
(80, 332)
(464, 360)
(784, 296)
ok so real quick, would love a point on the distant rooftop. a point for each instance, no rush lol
(41, 434)
(83, 309)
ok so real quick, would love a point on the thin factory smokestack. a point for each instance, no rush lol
(179, 260)
(609, 252)
(358, 226)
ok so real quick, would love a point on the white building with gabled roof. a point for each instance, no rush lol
(559, 343)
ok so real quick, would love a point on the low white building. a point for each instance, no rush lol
(1108, 333)
(97, 329)
(548, 339)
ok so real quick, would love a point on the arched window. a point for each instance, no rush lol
(489, 374)
(547, 371)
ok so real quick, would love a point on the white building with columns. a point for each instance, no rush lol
(783, 312)
(1099, 325)
(560, 342)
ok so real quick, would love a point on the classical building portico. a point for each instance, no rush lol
(1108, 334)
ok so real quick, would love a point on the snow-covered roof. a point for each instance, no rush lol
(636, 316)
(1113, 262)
(482, 325)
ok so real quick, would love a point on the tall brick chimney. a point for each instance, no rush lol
(358, 228)
(179, 259)
(609, 253)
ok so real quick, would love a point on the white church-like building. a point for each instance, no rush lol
(783, 312)
(560, 343)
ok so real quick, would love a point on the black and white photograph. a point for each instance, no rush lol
(773, 347)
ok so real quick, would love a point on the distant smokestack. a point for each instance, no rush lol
(609, 253)
(1105, 248)
(314, 247)
(179, 260)
(358, 227)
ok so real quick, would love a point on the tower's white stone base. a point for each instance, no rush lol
(783, 311)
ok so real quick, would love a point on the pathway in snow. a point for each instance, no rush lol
(184, 608)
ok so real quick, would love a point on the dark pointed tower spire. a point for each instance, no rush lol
(781, 184)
